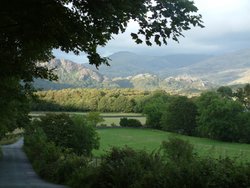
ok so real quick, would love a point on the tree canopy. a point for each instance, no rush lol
(179, 116)
(31, 29)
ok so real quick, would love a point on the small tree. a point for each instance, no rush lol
(70, 133)
(154, 106)
(94, 118)
(179, 116)
(243, 96)
(225, 91)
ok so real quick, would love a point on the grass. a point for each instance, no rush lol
(116, 120)
(109, 118)
(151, 140)
(108, 114)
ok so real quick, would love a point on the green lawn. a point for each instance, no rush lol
(116, 120)
(108, 114)
(108, 117)
(150, 140)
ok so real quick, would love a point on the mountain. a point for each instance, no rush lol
(183, 84)
(180, 73)
(70, 75)
(123, 64)
(232, 68)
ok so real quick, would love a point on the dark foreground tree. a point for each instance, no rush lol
(30, 29)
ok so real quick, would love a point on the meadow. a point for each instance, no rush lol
(109, 118)
(151, 139)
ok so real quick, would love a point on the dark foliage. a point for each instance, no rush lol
(180, 116)
(75, 134)
(125, 122)
(30, 30)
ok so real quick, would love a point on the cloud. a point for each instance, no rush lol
(226, 29)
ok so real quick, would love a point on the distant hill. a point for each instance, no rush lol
(174, 73)
(123, 64)
(232, 68)
(70, 75)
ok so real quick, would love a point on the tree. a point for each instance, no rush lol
(225, 91)
(154, 106)
(180, 116)
(30, 29)
(243, 96)
(94, 118)
(73, 133)
(219, 118)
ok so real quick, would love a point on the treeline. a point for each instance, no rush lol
(103, 100)
(222, 114)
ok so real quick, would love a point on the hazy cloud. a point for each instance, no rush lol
(227, 28)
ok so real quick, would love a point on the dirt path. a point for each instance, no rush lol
(16, 171)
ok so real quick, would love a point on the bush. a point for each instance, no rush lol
(73, 133)
(124, 122)
(126, 168)
(113, 125)
(178, 150)
(103, 125)
(94, 118)
(51, 162)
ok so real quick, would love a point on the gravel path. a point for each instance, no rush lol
(16, 170)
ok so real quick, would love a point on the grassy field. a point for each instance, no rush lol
(111, 114)
(108, 117)
(150, 140)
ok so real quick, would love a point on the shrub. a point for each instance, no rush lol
(178, 150)
(113, 125)
(124, 122)
(94, 118)
(73, 133)
(125, 167)
(103, 125)
(50, 161)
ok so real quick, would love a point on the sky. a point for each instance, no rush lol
(227, 29)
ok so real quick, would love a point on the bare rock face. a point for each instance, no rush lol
(73, 73)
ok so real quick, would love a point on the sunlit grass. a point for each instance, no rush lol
(109, 118)
(151, 140)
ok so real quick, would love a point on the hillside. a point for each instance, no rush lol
(123, 64)
(173, 73)
(70, 75)
(232, 68)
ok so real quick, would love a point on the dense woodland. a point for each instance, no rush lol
(103, 100)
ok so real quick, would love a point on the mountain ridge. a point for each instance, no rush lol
(183, 72)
